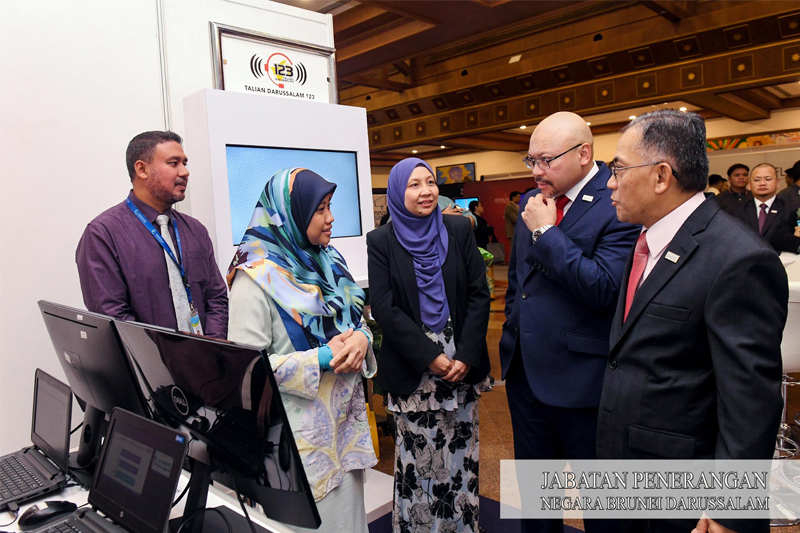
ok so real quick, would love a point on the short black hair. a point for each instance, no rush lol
(143, 146)
(736, 166)
(677, 138)
(513, 194)
(713, 179)
(794, 171)
(473, 205)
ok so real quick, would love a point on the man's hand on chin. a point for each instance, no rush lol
(539, 211)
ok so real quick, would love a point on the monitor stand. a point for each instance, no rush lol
(208, 522)
(82, 462)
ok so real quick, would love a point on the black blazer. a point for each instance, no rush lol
(778, 227)
(406, 351)
(695, 370)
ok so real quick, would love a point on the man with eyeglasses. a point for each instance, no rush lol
(768, 215)
(564, 275)
(695, 365)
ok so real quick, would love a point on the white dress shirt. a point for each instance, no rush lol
(660, 234)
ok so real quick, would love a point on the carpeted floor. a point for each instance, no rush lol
(490, 521)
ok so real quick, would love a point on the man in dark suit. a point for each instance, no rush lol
(563, 281)
(695, 364)
(737, 194)
(768, 215)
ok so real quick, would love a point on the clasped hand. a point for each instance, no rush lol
(349, 350)
(452, 371)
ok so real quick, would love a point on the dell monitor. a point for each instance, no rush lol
(251, 448)
(97, 369)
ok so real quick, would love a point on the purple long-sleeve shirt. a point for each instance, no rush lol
(123, 271)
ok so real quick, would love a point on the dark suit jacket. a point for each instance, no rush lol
(406, 351)
(791, 197)
(561, 297)
(778, 227)
(695, 370)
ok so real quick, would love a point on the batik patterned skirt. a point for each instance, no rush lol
(436, 452)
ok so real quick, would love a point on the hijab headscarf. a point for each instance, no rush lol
(425, 238)
(311, 285)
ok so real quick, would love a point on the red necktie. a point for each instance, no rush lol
(639, 262)
(762, 217)
(561, 202)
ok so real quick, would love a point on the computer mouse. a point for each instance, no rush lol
(34, 517)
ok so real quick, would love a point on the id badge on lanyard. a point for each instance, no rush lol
(194, 319)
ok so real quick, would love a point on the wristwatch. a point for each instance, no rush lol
(538, 232)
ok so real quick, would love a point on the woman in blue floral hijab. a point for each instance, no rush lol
(292, 294)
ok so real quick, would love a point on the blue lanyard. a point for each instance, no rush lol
(157, 235)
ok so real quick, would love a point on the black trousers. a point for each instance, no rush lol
(547, 432)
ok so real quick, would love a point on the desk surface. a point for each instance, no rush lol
(378, 501)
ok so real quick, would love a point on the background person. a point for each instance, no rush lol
(695, 364)
(767, 214)
(716, 184)
(791, 194)
(429, 295)
(511, 213)
(292, 294)
(737, 194)
(126, 271)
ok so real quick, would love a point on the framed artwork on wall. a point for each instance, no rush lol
(455, 173)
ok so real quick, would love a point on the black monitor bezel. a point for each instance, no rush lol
(109, 507)
(60, 459)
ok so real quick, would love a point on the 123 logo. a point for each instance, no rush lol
(279, 69)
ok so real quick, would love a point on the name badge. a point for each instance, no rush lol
(772, 211)
(587, 198)
(672, 257)
(197, 328)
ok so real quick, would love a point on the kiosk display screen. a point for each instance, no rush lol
(249, 168)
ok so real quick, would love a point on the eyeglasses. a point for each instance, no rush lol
(544, 164)
(616, 169)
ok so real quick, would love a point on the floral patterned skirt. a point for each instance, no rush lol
(436, 452)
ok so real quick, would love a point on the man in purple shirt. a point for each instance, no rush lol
(123, 266)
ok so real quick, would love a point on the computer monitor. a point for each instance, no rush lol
(263, 466)
(97, 369)
(463, 203)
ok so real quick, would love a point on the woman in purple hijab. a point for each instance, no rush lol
(428, 292)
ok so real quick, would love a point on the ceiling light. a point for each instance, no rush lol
(514, 59)
(413, 151)
(683, 109)
(523, 127)
(442, 147)
(588, 123)
(631, 117)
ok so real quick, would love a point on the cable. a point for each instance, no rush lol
(241, 504)
(79, 426)
(185, 489)
(13, 507)
(213, 509)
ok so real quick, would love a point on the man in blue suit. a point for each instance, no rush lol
(564, 276)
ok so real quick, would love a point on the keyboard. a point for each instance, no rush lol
(69, 526)
(16, 478)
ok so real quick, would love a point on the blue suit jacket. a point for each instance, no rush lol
(562, 292)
